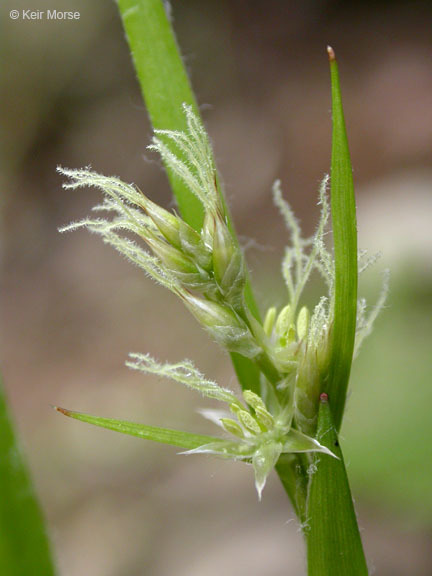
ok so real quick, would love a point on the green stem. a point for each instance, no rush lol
(268, 369)
(334, 546)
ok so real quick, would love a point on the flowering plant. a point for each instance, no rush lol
(207, 271)
(293, 366)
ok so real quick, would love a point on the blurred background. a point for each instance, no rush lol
(71, 308)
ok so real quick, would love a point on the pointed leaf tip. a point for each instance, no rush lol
(343, 213)
(331, 53)
(62, 410)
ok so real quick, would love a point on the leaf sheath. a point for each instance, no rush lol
(333, 538)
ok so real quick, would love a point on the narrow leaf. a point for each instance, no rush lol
(333, 538)
(178, 438)
(345, 252)
(24, 546)
(165, 88)
(164, 83)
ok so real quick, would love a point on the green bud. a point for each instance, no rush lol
(224, 249)
(264, 418)
(192, 245)
(172, 258)
(269, 321)
(233, 281)
(179, 234)
(253, 400)
(248, 421)
(228, 264)
(262, 414)
(303, 323)
(283, 321)
(167, 223)
(223, 324)
(180, 265)
(232, 427)
(207, 231)
(211, 314)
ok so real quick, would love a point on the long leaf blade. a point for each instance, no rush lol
(333, 539)
(345, 251)
(24, 546)
(178, 438)
(165, 87)
(164, 83)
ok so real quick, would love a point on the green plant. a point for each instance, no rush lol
(294, 366)
(24, 545)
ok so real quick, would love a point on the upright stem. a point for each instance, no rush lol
(334, 546)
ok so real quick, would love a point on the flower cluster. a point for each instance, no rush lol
(258, 435)
(207, 271)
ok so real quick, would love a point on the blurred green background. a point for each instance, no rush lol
(71, 309)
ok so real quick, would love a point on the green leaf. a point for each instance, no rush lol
(178, 438)
(24, 546)
(164, 83)
(333, 538)
(345, 252)
(165, 87)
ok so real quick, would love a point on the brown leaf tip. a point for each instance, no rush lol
(62, 410)
(324, 397)
(331, 54)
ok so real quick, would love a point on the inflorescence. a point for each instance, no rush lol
(207, 271)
